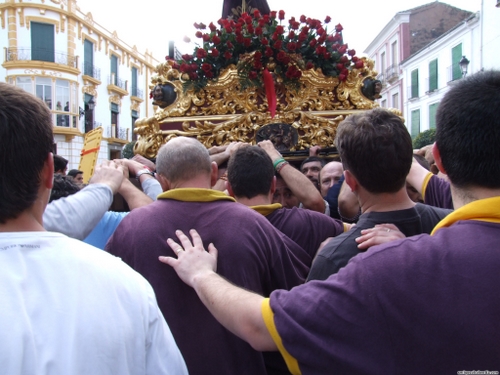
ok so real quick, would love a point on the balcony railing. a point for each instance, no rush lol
(91, 71)
(40, 54)
(137, 93)
(113, 80)
(392, 72)
(381, 78)
(122, 133)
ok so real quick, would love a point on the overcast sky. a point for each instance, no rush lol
(151, 24)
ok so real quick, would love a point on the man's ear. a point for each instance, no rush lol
(48, 172)
(273, 186)
(214, 174)
(437, 158)
(229, 189)
(165, 184)
(351, 181)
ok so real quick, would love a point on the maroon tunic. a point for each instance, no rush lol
(252, 254)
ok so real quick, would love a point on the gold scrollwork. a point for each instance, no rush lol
(221, 112)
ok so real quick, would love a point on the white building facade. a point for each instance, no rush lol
(429, 73)
(85, 74)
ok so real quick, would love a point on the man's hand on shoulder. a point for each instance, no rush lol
(193, 262)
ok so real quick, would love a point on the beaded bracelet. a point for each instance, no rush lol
(281, 165)
(278, 162)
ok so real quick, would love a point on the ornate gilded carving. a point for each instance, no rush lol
(221, 112)
(89, 89)
(115, 99)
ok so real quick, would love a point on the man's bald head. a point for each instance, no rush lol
(329, 176)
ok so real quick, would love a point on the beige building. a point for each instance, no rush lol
(86, 74)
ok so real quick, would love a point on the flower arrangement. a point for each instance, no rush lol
(258, 44)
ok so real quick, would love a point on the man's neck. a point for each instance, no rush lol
(259, 200)
(461, 196)
(384, 202)
(200, 182)
(26, 222)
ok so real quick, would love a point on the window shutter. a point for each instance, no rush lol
(432, 115)
(88, 56)
(42, 42)
(114, 68)
(134, 81)
(414, 83)
(456, 55)
(433, 75)
(415, 123)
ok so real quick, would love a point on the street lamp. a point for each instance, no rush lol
(91, 102)
(464, 63)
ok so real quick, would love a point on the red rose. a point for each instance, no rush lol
(201, 53)
(196, 26)
(302, 37)
(351, 52)
(209, 74)
(187, 57)
(185, 68)
(206, 37)
(228, 28)
(328, 19)
(264, 41)
(309, 65)
(202, 26)
(221, 21)
(212, 27)
(338, 28)
(281, 56)
(295, 25)
(291, 35)
(269, 52)
(313, 42)
(265, 18)
(320, 30)
(256, 13)
(199, 34)
(216, 39)
(354, 59)
(215, 52)
(257, 56)
(340, 66)
(330, 38)
(278, 44)
(257, 65)
(281, 15)
(227, 55)
(359, 64)
(292, 46)
(344, 59)
(193, 76)
(273, 14)
(327, 55)
(239, 39)
(258, 31)
(247, 42)
(206, 67)
(193, 66)
(229, 45)
(279, 29)
(252, 74)
(342, 49)
(302, 18)
(342, 77)
(286, 60)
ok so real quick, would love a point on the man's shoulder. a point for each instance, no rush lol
(425, 209)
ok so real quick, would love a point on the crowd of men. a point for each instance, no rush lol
(233, 261)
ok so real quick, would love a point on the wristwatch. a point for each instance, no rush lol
(144, 171)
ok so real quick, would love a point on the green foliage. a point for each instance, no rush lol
(425, 138)
(128, 150)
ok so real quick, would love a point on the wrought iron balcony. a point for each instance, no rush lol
(137, 93)
(40, 54)
(113, 80)
(121, 134)
(91, 71)
(392, 73)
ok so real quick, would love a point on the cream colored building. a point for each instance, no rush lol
(86, 75)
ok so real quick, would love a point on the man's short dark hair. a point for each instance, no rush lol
(250, 172)
(468, 131)
(310, 159)
(25, 142)
(376, 148)
(62, 187)
(60, 163)
(74, 172)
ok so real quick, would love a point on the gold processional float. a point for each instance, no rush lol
(257, 77)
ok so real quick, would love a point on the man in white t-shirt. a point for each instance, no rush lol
(66, 307)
